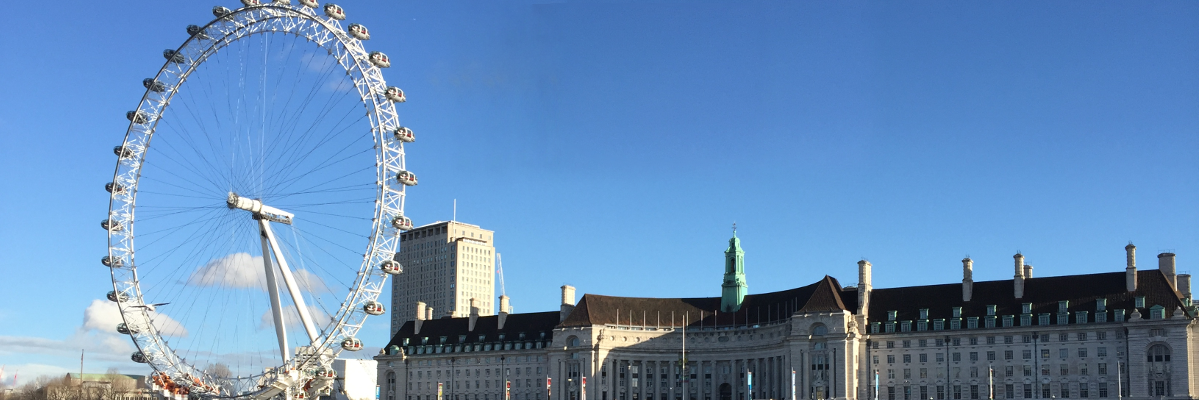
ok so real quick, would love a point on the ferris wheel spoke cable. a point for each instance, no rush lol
(325, 164)
(289, 157)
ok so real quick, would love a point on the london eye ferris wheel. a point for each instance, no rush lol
(263, 173)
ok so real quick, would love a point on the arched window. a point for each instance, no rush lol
(572, 341)
(819, 330)
(391, 385)
(1159, 353)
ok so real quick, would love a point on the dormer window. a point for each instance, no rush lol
(891, 315)
(1063, 305)
(957, 312)
(991, 310)
(923, 313)
(1026, 308)
(1100, 304)
(1140, 302)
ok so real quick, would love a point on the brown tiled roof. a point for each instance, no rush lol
(705, 311)
(1044, 294)
(533, 325)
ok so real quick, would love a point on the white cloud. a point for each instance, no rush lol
(26, 373)
(103, 316)
(237, 270)
(291, 318)
(242, 270)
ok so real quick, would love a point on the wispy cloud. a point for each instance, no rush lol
(244, 271)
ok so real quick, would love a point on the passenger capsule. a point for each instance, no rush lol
(117, 297)
(326, 372)
(251, 3)
(404, 134)
(125, 330)
(113, 262)
(139, 357)
(122, 152)
(219, 11)
(402, 223)
(113, 187)
(334, 11)
(283, 2)
(359, 32)
(110, 225)
(379, 59)
(395, 94)
(373, 308)
(309, 3)
(198, 32)
(137, 117)
(153, 85)
(173, 56)
(351, 344)
(407, 178)
(391, 267)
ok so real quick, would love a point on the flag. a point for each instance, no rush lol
(439, 390)
(583, 389)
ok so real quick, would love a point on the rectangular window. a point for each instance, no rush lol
(940, 357)
(1009, 391)
(907, 358)
(1082, 336)
(1045, 393)
(923, 357)
(890, 344)
(875, 359)
(1009, 354)
(974, 341)
(923, 392)
(940, 392)
(890, 393)
(907, 393)
(1028, 390)
(1083, 369)
(1065, 391)
(1082, 352)
(1101, 352)
(1102, 370)
(990, 340)
(1027, 370)
(1063, 353)
(923, 342)
(890, 359)
(1101, 335)
(990, 356)
(1062, 337)
(974, 392)
(923, 374)
(957, 356)
(1045, 353)
(1009, 371)
(957, 392)
(1064, 369)
(1102, 389)
(1044, 370)
(1008, 339)
(907, 344)
(907, 373)
(974, 356)
(1026, 354)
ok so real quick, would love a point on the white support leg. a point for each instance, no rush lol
(290, 282)
(273, 288)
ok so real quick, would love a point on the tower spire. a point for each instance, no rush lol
(734, 287)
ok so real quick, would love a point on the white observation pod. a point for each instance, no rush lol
(359, 32)
(138, 357)
(125, 330)
(402, 223)
(110, 261)
(407, 178)
(251, 3)
(379, 59)
(309, 3)
(136, 117)
(197, 31)
(122, 152)
(405, 135)
(117, 297)
(173, 56)
(373, 308)
(113, 187)
(351, 344)
(392, 267)
(334, 11)
(110, 225)
(153, 85)
(219, 11)
(395, 94)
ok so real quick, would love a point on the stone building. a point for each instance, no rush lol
(446, 264)
(1129, 334)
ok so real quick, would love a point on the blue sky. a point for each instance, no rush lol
(611, 145)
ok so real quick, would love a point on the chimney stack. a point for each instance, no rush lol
(1027, 271)
(1184, 285)
(1165, 262)
(429, 314)
(568, 302)
(1018, 280)
(864, 287)
(967, 278)
(474, 314)
(503, 315)
(420, 317)
(1130, 273)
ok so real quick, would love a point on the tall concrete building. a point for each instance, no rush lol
(446, 264)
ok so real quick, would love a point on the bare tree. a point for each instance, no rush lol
(219, 370)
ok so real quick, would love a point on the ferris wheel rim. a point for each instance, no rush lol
(389, 156)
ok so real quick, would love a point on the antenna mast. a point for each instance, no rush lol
(499, 269)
